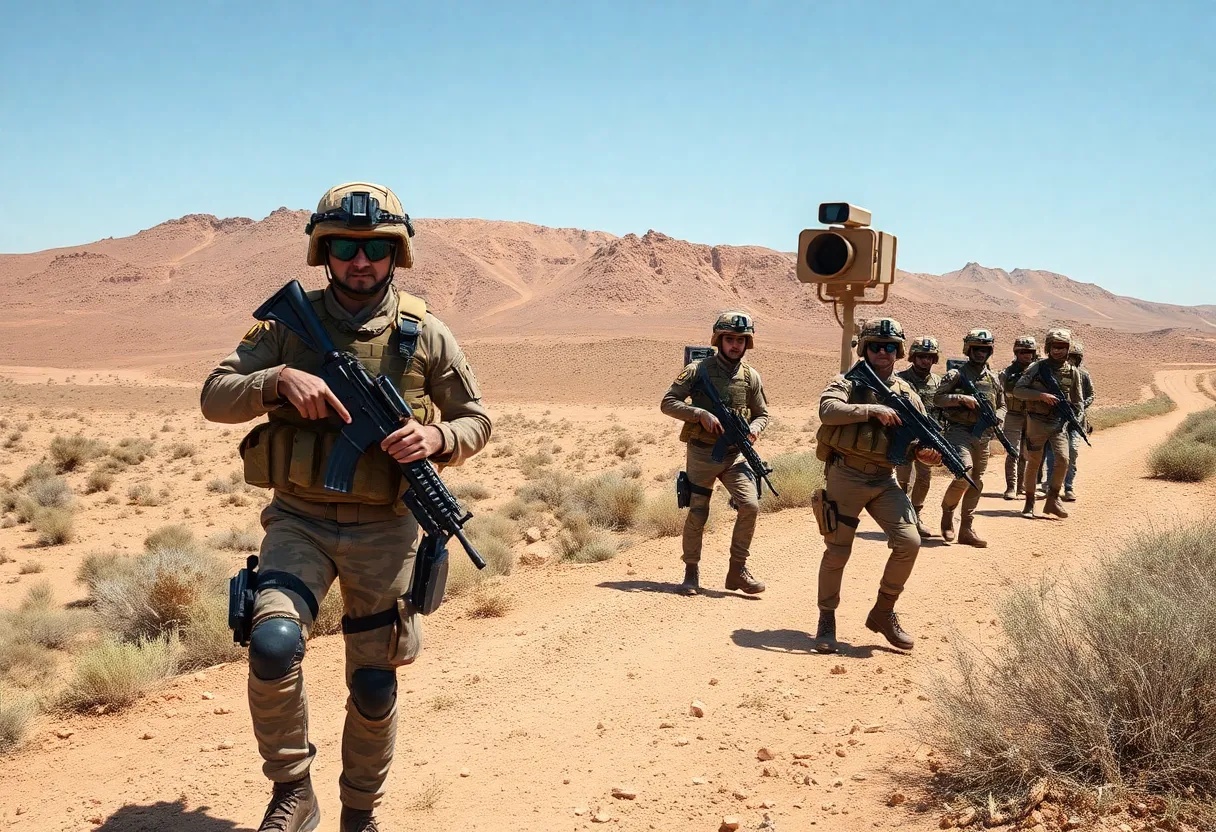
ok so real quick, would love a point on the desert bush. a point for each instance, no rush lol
(141, 494)
(221, 486)
(24, 663)
(206, 639)
(502, 450)
(116, 673)
(173, 536)
(25, 507)
(38, 621)
(661, 517)
(132, 450)
(99, 566)
(524, 514)
(609, 500)
(55, 526)
(631, 471)
(625, 446)
(493, 535)
(181, 450)
(109, 465)
(1103, 418)
(51, 492)
(329, 614)
(470, 491)
(98, 480)
(490, 601)
(236, 540)
(17, 712)
(1102, 680)
(552, 489)
(1182, 460)
(69, 452)
(8, 499)
(533, 465)
(796, 477)
(1199, 427)
(30, 567)
(155, 595)
(34, 473)
(583, 542)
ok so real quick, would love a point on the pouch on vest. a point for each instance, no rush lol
(255, 455)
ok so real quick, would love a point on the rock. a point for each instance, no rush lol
(682, 741)
(464, 772)
(699, 781)
(996, 819)
(565, 781)
(802, 755)
(146, 735)
(1073, 822)
(739, 794)
(713, 681)
(666, 725)
(787, 715)
(601, 817)
(764, 755)
(838, 670)
(1036, 795)
(872, 729)
(768, 771)
(579, 811)
(624, 793)
(599, 726)
(729, 824)
(220, 711)
(536, 554)
(208, 694)
(697, 708)
(966, 817)
(64, 733)
(94, 819)
(860, 778)
(225, 745)
(840, 752)
(837, 783)
(896, 799)
(1123, 827)
(532, 534)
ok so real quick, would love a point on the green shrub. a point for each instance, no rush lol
(206, 639)
(1182, 460)
(116, 673)
(17, 713)
(1199, 427)
(609, 500)
(1104, 418)
(796, 477)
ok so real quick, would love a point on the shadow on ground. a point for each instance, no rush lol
(671, 589)
(164, 816)
(797, 641)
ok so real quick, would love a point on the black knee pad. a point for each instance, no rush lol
(374, 691)
(276, 645)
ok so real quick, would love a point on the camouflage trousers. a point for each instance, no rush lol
(374, 562)
(735, 474)
(975, 454)
(1039, 434)
(879, 494)
(918, 475)
(1015, 431)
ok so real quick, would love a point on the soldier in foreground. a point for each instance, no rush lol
(923, 353)
(963, 413)
(853, 439)
(1076, 354)
(739, 386)
(1025, 353)
(1044, 425)
(367, 538)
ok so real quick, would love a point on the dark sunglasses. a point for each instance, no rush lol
(885, 347)
(345, 248)
(985, 350)
(1023, 352)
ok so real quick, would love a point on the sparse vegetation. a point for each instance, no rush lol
(206, 639)
(34, 473)
(534, 465)
(608, 500)
(156, 594)
(116, 673)
(490, 601)
(51, 492)
(181, 450)
(55, 526)
(1103, 418)
(30, 567)
(625, 446)
(661, 517)
(796, 477)
(98, 480)
(69, 452)
(173, 536)
(99, 566)
(141, 494)
(329, 614)
(132, 450)
(236, 540)
(17, 713)
(1189, 455)
(583, 542)
(470, 491)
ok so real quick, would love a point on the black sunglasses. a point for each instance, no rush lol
(887, 347)
(346, 248)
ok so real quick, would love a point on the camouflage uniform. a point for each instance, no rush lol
(917, 487)
(859, 476)
(367, 539)
(1043, 426)
(740, 388)
(1015, 419)
(1076, 351)
(973, 451)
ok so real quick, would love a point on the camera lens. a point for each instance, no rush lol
(828, 254)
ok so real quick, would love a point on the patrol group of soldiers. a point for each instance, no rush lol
(855, 440)
(369, 539)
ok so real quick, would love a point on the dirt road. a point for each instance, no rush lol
(586, 686)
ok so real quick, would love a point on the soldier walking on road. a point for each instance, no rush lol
(923, 353)
(1076, 354)
(1043, 425)
(1025, 353)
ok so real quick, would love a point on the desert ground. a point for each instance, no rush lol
(582, 682)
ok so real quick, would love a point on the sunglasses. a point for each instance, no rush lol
(345, 248)
(887, 347)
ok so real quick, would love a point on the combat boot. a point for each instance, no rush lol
(737, 577)
(1052, 506)
(1070, 496)
(921, 528)
(358, 820)
(1011, 489)
(825, 634)
(948, 524)
(968, 537)
(293, 808)
(1011, 478)
(886, 621)
(692, 579)
(1028, 506)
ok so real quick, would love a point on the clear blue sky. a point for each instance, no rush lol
(1078, 137)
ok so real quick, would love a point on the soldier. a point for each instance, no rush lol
(1025, 353)
(922, 355)
(738, 384)
(367, 538)
(1043, 426)
(962, 413)
(853, 439)
(1076, 354)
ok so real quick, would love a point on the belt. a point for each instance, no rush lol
(343, 513)
(860, 464)
(710, 445)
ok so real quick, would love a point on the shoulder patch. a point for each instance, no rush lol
(255, 334)
(685, 375)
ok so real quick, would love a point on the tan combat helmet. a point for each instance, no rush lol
(734, 321)
(1076, 348)
(977, 338)
(924, 345)
(881, 331)
(360, 209)
(1057, 335)
(1026, 342)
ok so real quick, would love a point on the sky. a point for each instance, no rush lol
(1075, 137)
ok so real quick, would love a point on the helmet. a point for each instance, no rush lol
(977, 338)
(1026, 342)
(924, 345)
(1076, 348)
(881, 331)
(1057, 335)
(734, 321)
(360, 209)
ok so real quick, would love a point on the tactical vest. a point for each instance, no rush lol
(925, 387)
(1009, 380)
(1068, 380)
(869, 440)
(290, 453)
(734, 390)
(985, 382)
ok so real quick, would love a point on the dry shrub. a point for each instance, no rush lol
(38, 621)
(173, 536)
(428, 798)
(30, 567)
(181, 450)
(533, 465)
(221, 486)
(490, 601)
(470, 491)
(661, 517)
(625, 446)
(631, 471)
(51, 492)
(132, 450)
(797, 477)
(100, 566)
(502, 450)
(116, 673)
(98, 480)
(141, 494)
(109, 465)
(69, 452)
(1199, 427)
(524, 513)
(25, 664)
(1102, 680)
(17, 712)
(329, 614)
(156, 594)
(54, 526)
(8, 499)
(236, 540)
(552, 489)
(583, 542)
(463, 576)
(206, 639)
(34, 473)
(609, 500)
(493, 535)
(1108, 417)
(1182, 460)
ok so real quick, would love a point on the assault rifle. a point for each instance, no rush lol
(1062, 406)
(377, 409)
(987, 415)
(916, 426)
(735, 431)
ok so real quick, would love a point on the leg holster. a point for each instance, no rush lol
(685, 489)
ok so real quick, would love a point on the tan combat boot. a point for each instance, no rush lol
(1028, 507)
(1052, 506)
(883, 619)
(358, 820)
(692, 579)
(825, 633)
(293, 808)
(968, 537)
(921, 528)
(948, 523)
(1011, 478)
(737, 577)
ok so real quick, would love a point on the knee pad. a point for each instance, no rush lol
(275, 647)
(374, 691)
